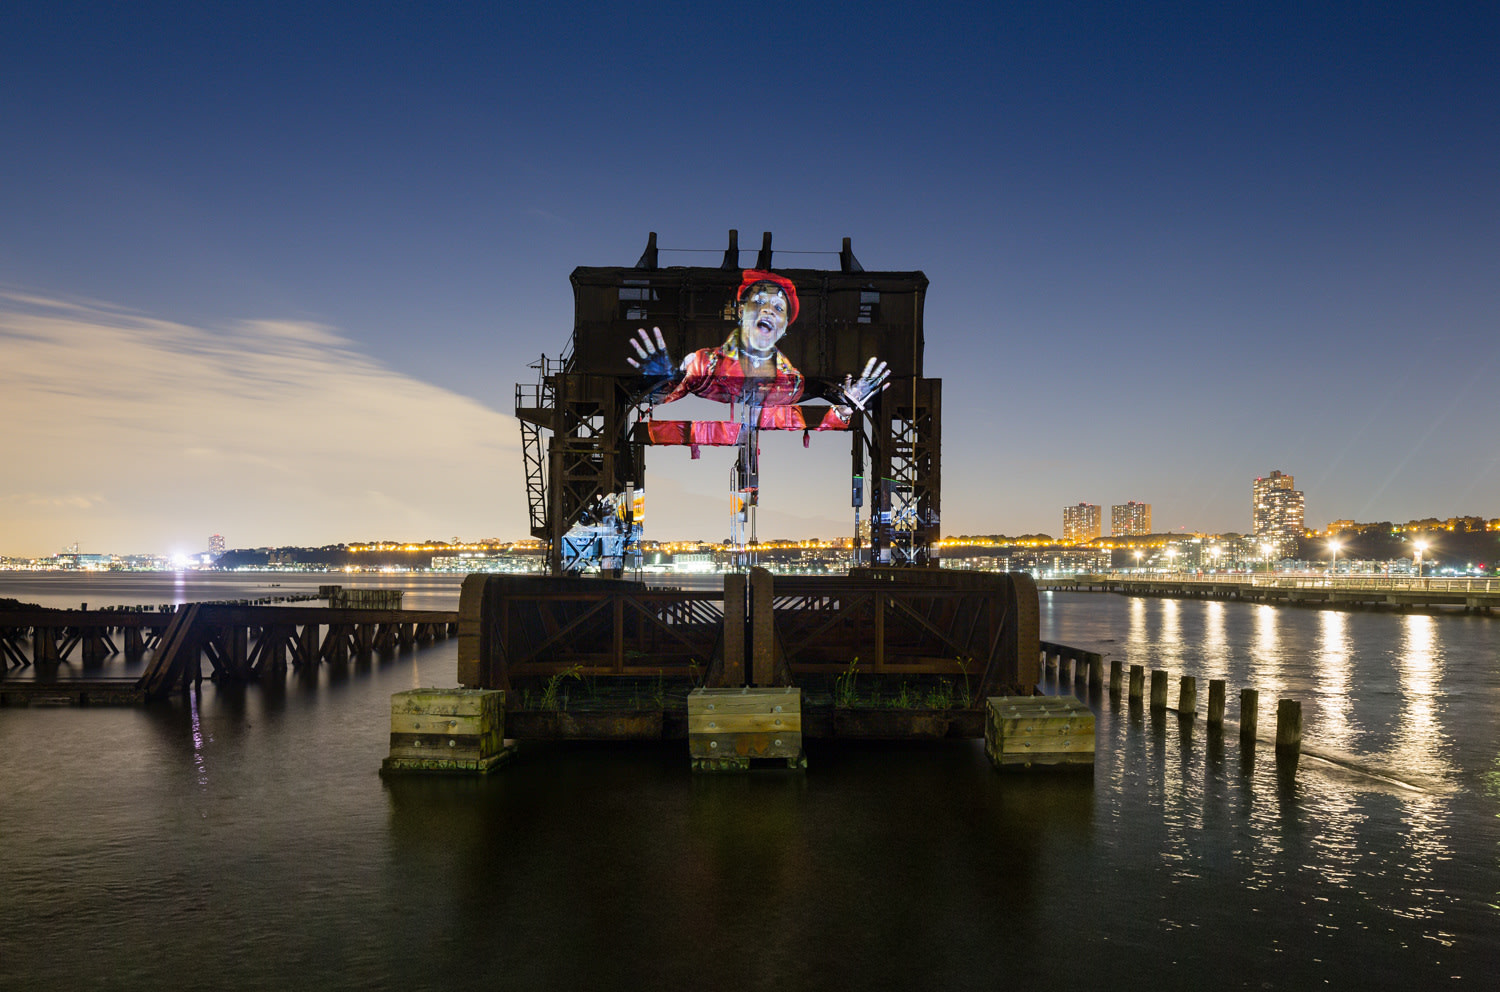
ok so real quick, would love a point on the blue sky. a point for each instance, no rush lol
(272, 270)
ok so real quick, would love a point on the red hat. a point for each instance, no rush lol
(753, 276)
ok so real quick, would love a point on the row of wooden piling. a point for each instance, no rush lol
(1058, 658)
(173, 607)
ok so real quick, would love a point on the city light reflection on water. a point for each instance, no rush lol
(1136, 633)
(1267, 660)
(1379, 826)
(1214, 643)
(1335, 680)
(1418, 738)
(198, 741)
(247, 833)
(1169, 637)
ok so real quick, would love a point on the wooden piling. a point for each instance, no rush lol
(1158, 689)
(44, 644)
(1187, 696)
(1249, 713)
(1288, 724)
(306, 652)
(734, 631)
(1137, 682)
(1116, 668)
(762, 628)
(95, 648)
(1096, 672)
(1216, 690)
(237, 652)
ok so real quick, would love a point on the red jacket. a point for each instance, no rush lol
(717, 374)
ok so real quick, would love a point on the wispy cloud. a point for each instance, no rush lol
(130, 432)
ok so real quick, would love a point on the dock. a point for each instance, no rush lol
(240, 643)
(1472, 595)
(71, 692)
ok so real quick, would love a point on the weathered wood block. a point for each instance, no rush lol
(1021, 731)
(454, 731)
(729, 727)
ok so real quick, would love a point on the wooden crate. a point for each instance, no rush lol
(1022, 731)
(456, 731)
(728, 728)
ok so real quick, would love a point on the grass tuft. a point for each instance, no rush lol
(844, 692)
(549, 694)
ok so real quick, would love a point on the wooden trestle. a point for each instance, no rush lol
(242, 643)
(637, 651)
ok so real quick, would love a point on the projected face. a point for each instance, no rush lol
(763, 315)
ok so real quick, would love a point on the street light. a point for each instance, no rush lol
(1266, 550)
(1333, 566)
(1138, 561)
(1421, 546)
(1172, 559)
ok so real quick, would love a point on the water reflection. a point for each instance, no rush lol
(1418, 737)
(1169, 635)
(1215, 644)
(1137, 638)
(1334, 676)
(1266, 660)
(200, 740)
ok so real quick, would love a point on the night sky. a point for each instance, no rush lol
(272, 270)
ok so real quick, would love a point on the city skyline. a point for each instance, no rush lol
(274, 277)
(1428, 527)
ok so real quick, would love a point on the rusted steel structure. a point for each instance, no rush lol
(636, 651)
(241, 643)
(584, 420)
(886, 651)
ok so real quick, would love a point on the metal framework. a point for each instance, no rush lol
(636, 651)
(581, 422)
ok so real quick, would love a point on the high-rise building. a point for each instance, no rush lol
(1130, 519)
(216, 544)
(1277, 516)
(1080, 523)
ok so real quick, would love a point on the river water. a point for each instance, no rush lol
(242, 838)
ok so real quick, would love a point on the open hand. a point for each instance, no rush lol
(857, 392)
(654, 360)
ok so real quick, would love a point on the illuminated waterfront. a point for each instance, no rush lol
(244, 836)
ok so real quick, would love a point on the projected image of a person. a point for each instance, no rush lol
(748, 368)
